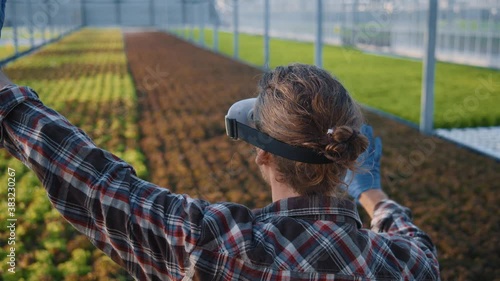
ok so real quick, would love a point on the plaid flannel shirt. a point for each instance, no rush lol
(159, 235)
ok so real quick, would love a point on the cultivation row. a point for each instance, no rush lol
(184, 93)
(85, 78)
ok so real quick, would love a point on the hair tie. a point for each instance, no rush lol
(331, 131)
(354, 134)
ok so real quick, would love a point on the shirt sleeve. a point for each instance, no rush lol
(396, 221)
(144, 228)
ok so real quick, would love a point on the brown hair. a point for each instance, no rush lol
(304, 105)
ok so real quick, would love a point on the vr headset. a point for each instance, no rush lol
(240, 124)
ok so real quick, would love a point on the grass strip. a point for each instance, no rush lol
(465, 96)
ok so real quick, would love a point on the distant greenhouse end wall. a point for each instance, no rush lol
(143, 13)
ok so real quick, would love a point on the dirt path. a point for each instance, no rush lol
(184, 93)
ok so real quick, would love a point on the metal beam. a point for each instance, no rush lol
(235, 33)
(318, 50)
(118, 11)
(427, 98)
(267, 20)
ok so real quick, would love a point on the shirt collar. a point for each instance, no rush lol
(312, 207)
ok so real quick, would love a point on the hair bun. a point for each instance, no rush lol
(344, 144)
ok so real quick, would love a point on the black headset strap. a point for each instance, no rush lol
(274, 146)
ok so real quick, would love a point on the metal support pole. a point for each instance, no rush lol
(456, 27)
(118, 12)
(344, 24)
(49, 21)
(267, 19)
(191, 23)
(216, 36)
(427, 103)
(152, 20)
(235, 33)
(14, 26)
(183, 8)
(44, 28)
(354, 23)
(83, 13)
(216, 30)
(202, 25)
(467, 32)
(29, 10)
(318, 52)
(58, 27)
(449, 26)
(53, 27)
(490, 33)
(166, 17)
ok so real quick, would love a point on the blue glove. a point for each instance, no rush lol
(2, 14)
(368, 174)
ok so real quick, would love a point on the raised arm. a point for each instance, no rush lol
(146, 229)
